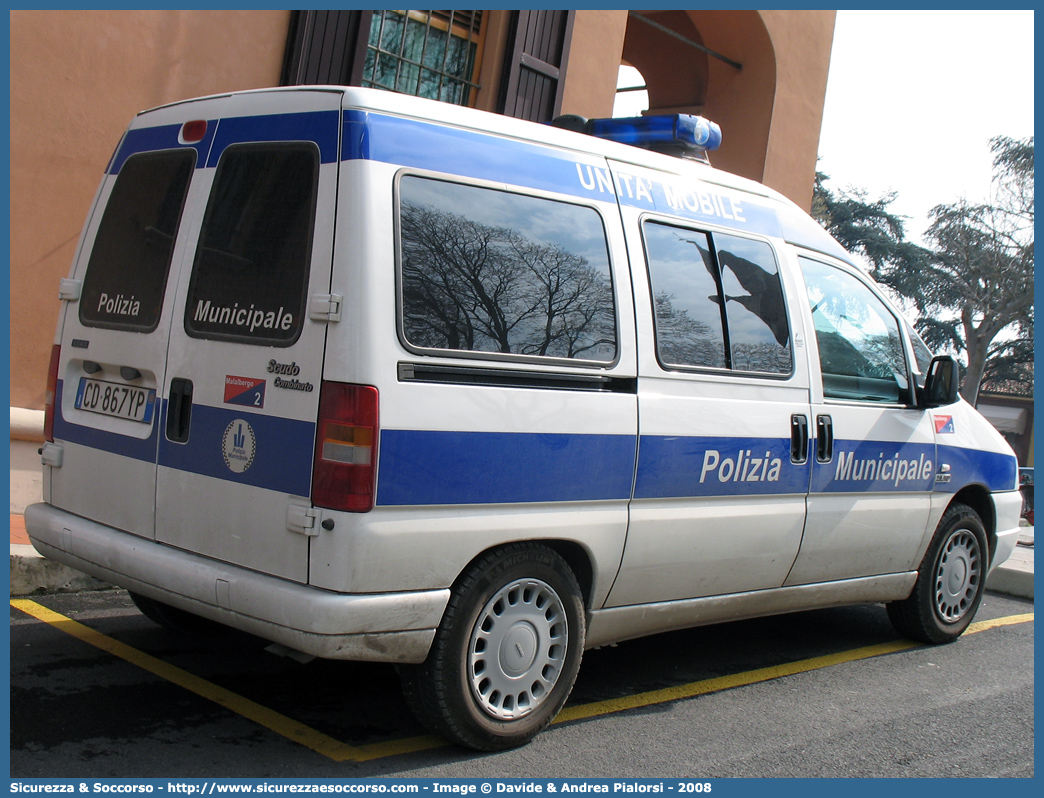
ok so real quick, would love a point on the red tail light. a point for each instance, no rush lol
(52, 390)
(345, 470)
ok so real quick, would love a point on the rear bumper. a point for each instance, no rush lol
(387, 627)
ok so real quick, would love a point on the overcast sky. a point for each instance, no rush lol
(913, 98)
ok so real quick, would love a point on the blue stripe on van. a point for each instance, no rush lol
(282, 455)
(135, 448)
(877, 467)
(423, 467)
(700, 202)
(440, 148)
(674, 466)
(996, 471)
(163, 137)
(317, 126)
(484, 156)
(282, 458)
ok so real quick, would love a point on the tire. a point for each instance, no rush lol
(522, 604)
(950, 581)
(174, 619)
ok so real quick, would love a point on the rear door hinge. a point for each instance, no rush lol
(52, 454)
(69, 289)
(302, 518)
(325, 307)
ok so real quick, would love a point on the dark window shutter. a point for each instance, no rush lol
(536, 63)
(326, 47)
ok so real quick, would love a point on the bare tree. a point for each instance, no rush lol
(472, 286)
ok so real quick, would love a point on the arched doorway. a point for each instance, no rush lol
(720, 64)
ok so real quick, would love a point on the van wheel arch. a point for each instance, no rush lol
(977, 497)
(506, 652)
(951, 580)
(576, 557)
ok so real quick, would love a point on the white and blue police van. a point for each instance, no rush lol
(378, 378)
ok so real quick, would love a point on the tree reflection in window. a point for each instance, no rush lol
(860, 348)
(490, 271)
(694, 274)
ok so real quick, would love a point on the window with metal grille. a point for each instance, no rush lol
(432, 54)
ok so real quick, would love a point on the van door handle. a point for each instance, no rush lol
(824, 439)
(798, 438)
(179, 410)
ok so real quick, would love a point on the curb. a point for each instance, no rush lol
(33, 574)
(1014, 577)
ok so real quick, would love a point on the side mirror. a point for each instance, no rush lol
(941, 382)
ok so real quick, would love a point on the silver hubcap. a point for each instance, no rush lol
(517, 649)
(957, 575)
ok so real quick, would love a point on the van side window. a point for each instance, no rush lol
(860, 347)
(127, 274)
(489, 271)
(718, 301)
(251, 268)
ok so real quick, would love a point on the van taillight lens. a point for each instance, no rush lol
(345, 470)
(52, 391)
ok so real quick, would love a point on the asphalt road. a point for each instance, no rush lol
(116, 696)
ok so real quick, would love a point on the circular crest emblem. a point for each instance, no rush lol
(238, 446)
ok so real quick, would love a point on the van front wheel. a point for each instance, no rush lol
(506, 653)
(950, 581)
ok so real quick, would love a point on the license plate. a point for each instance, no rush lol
(113, 399)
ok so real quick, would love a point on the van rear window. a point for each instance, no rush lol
(503, 274)
(251, 268)
(127, 273)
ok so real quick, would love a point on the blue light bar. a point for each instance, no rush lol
(679, 129)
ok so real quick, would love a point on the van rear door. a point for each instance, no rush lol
(116, 321)
(247, 340)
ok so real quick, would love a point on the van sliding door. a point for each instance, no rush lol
(723, 471)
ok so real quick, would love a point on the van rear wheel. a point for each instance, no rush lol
(950, 581)
(506, 654)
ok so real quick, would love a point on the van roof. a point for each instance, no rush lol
(797, 226)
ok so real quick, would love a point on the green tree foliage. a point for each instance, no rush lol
(973, 286)
(867, 228)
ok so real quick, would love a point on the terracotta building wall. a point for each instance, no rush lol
(77, 79)
(594, 60)
(802, 42)
(770, 108)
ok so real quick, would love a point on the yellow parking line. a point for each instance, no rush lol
(270, 719)
(993, 623)
(341, 752)
(760, 675)
(727, 682)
